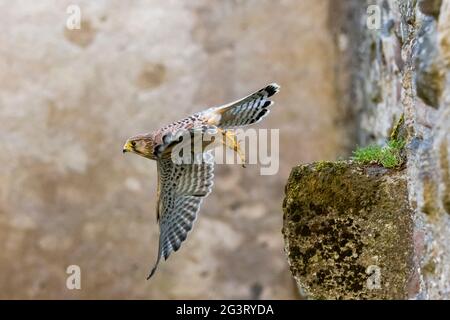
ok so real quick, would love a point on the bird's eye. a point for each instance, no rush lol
(133, 144)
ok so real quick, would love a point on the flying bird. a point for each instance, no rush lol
(183, 186)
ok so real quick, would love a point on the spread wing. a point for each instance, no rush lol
(181, 189)
(245, 111)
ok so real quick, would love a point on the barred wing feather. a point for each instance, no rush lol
(246, 111)
(181, 190)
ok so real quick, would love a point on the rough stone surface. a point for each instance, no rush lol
(342, 223)
(70, 98)
(403, 67)
(400, 67)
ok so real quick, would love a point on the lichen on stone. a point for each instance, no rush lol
(416, 33)
(341, 219)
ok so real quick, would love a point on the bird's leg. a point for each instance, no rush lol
(230, 140)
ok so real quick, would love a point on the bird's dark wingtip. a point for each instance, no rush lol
(151, 273)
(155, 266)
(272, 89)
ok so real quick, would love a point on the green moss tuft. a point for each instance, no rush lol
(389, 156)
(336, 166)
(367, 154)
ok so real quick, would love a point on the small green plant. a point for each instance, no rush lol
(389, 156)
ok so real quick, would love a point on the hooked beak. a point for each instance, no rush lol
(127, 147)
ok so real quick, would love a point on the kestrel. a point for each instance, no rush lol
(183, 186)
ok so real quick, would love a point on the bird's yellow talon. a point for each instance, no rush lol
(230, 141)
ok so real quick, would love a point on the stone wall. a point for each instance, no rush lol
(349, 231)
(402, 67)
(407, 72)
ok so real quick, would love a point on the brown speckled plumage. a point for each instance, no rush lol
(182, 187)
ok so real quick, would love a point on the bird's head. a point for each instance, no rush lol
(142, 145)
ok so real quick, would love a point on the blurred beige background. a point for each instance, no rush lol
(69, 99)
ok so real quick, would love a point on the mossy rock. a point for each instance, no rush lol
(348, 231)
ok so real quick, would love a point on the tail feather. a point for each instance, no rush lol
(246, 111)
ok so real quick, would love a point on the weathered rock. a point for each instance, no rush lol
(419, 33)
(430, 7)
(348, 231)
(430, 76)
